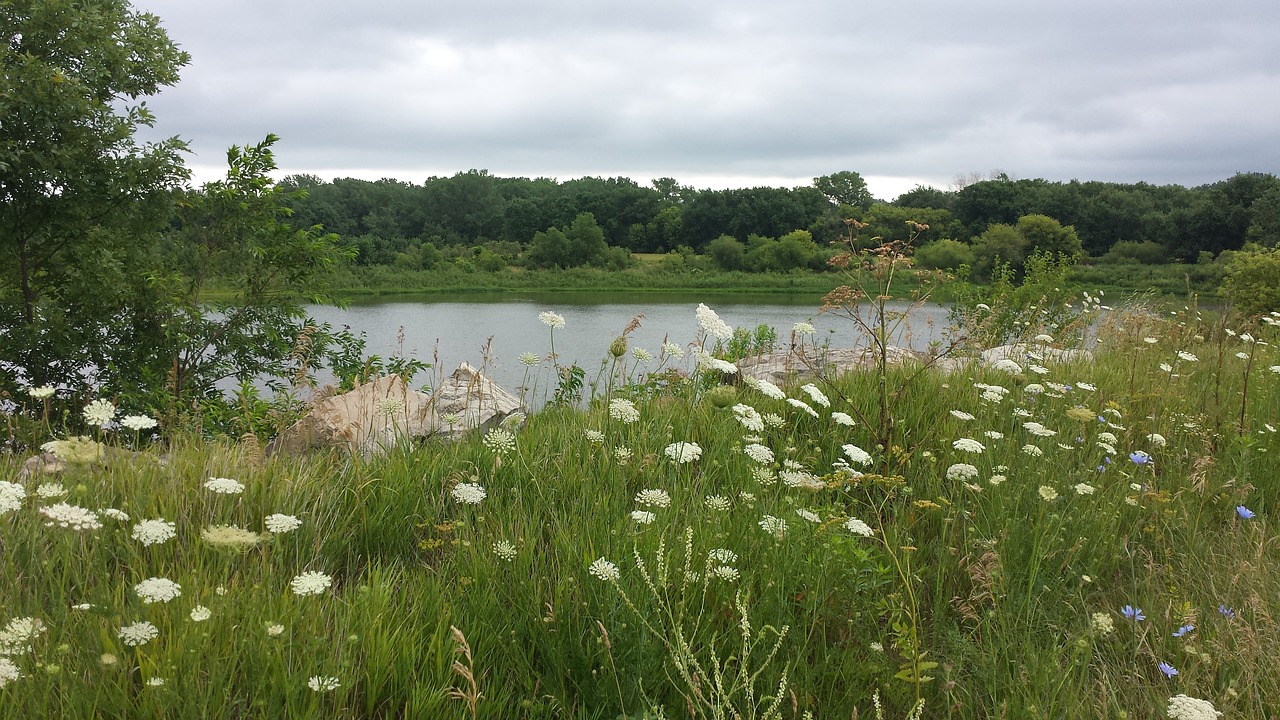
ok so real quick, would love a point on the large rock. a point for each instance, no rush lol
(378, 415)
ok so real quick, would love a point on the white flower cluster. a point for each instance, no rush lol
(706, 361)
(153, 590)
(962, 472)
(8, 672)
(857, 455)
(310, 583)
(604, 570)
(816, 395)
(683, 452)
(1038, 430)
(711, 323)
(552, 320)
(138, 423)
(759, 453)
(968, 445)
(71, 516)
(139, 633)
(842, 419)
(643, 517)
(500, 441)
(766, 388)
(154, 532)
(99, 412)
(748, 417)
(18, 635)
(469, 493)
(1182, 707)
(323, 683)
(777, 527)
(623, 410)
(280, 524)
(505, 550)
(224, 486)
(803, 406)
(653, 498)
(11, 496)
(857, 527)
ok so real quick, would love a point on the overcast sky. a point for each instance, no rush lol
(733, 93)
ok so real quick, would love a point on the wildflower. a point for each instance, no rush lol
(18, 635)
(275, 630)
(107, 659)
(99, 412)
(719, 503)
(1227, 612)
(551, 320)
(469, 493)
(505, 550)
(1184, 355)
(11, 496)
(808, 515)
(500, 441)
(641, 354)
(1183, 630)
(623, 410)
(961, 415)
(968, 445)
(643, 517)
(322, 683)
(1085, 489)
(138, 423)
(748, 417)
(153, 590)
(962, 472)
(654, 498)
(8, 672)
(1168, 670)
(803, 328)
(1038, 430)
(759, 453)
(858, 527)
(594, 436)
(1034, 389)
(1038, 369)
(1183, 707)
(766, 388)
(842, 419)
(683, 452)
(155, 682)
(529, 359)
(1166, 367)
(230, 536)
(1032, 450)
(154, 532)
(857, 455)
(200, 613)
(224, 486)
(622, 454)
(1100, 624)
(725, 572)
(1132, 613)
(800, 479)
(1244, 512)
(50, 490)
(42, 392)
(673, 350)
(280, 524)
(802, 405)
(71, 516)
(604, 570)
(722, 556)
(777, 527)
(997, 479)
(993, 435)
(773, 420)
(1007, 365)
(310, 583)
(139, 633)
(711, 323)
(114, 514)
(1048, 494)
(1086, 386)
(816, 395)
(1139, 457)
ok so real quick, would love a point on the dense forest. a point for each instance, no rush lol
(490, 222)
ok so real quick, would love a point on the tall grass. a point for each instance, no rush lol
(573, 589)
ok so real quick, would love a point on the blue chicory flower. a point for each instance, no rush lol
(1139, 457)
(1132, 613)
(1167, 669)
(1244, 512)
(1227, 612)
(1183, 630)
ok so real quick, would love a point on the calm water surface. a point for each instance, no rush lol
(492, 331)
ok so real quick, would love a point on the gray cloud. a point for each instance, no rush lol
(745, 91)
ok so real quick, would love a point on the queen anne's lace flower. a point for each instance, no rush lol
(138, 423)
(759, 453)
(139, 633)
(623, 410)
(552, 320)
(777, 527)
(857, 527)
(604, 570)
(653, 498)
(711, 323)
(11, 496)
(683, 452)
(71, 516)
(323, 683)
(968, 445)
(962, 472)
(766, 388)
(816, 395)
(802, 405)
(310, 583)
(469, 493)
(748, 417)
(154, 532)
(1182, 707)
(857, 455)
(280, 524)
(99, 412)
(643, 517)
(8, 672)
(153, 590)
(224, 486)
(200, 613)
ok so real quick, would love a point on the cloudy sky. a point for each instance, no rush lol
(734, 93)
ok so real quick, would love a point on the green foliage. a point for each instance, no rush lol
(80, 199)
(1146, 253)
(1046, 235)
(944, 254)
(726, 252)
(1252, 282)
(845, 188)
(999, 244)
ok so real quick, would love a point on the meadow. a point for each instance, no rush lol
(1020, 539)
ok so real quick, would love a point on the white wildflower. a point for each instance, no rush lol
(653, 498)
(857, 455)
(643, 517)
(310, 583)
(858, 527)
(623, 410)
(748, 417)
(71, 516)
(469, 493)
(711, 323)
(766, 388)
(759, 453)
(1183, 707)
(154, 532)
(280, 524)
(138, 423)
(816, 395)
(328, 683)
(968, 445)
(551, 320)
(777, 527)
(99, 412)
(683, 452)
(153, 590)
(224, 486)
(604, 570)
(962, 471)
(200, 613)
(802, 405)
(139, 633)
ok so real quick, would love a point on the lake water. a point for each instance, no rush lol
(492, 331)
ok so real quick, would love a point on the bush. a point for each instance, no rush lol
(944, 255)
(1252, 282)
(1145, 253)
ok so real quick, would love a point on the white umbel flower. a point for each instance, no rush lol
(224, 486)
(310, 583)
(683, 452)
(605, 570)
(139, 633)
(154, 532)
(1182, 707)
(711, 323)
(153, 590)
(280, 524)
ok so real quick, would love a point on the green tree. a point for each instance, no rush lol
(80, 197)
(549, 249)
(999, 244)
(845, 188)
(1252, 282)
(1044, 234)
(586, 241)
(726, 252)
(944, 254)
(233, 235)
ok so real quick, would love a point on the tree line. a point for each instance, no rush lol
(491, 221)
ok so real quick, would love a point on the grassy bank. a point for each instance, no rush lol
(1069, 541)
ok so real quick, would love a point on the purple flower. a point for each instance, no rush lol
(1183, 630)
(1139, 457)
(1133, 613)
(1228, 613)
(1244, 512)
(1167, 669)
